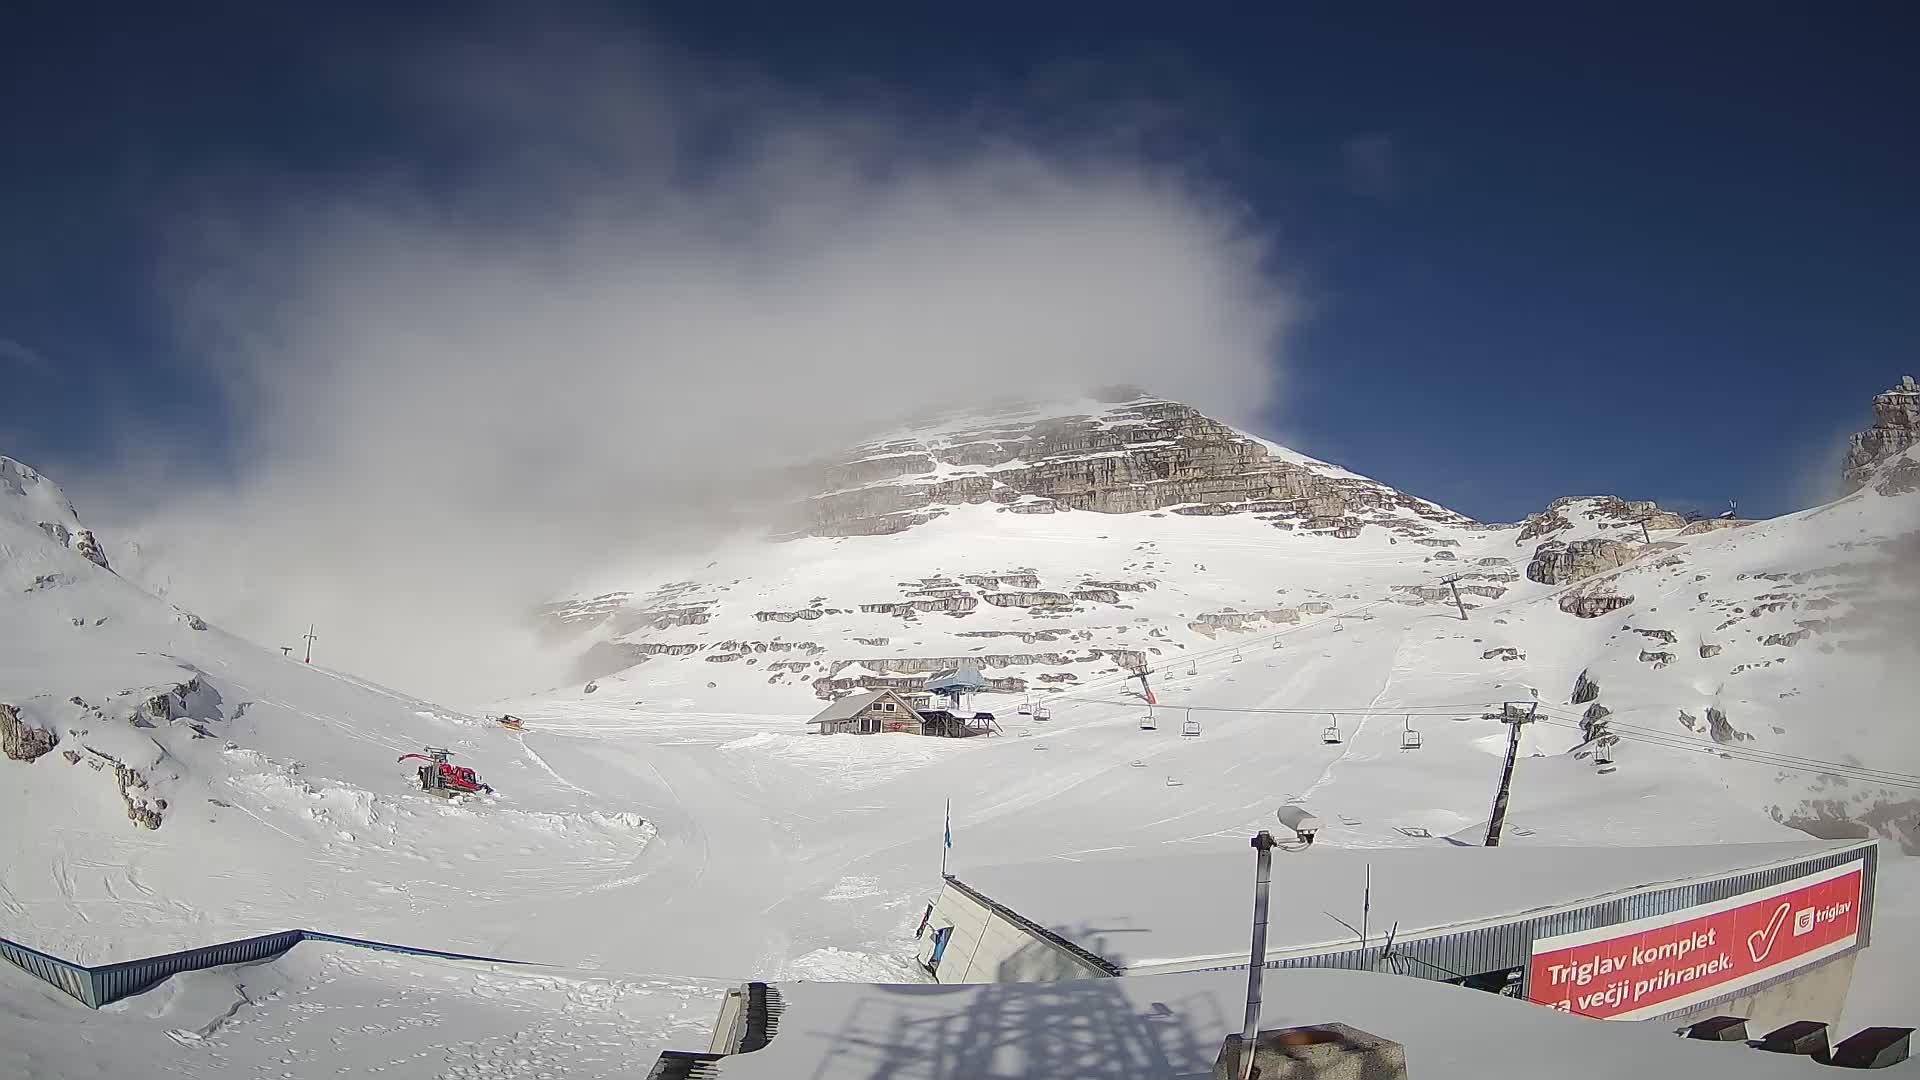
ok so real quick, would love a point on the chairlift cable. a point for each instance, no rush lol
(1755, 751)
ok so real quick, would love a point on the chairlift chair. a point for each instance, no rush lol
(1603, 755)
(1409, 738)
(1148, 723)
(1025, 708)
(1236, 656)
(1193, 667)
(1331, 735)
(1190, 729)
(1041, 712)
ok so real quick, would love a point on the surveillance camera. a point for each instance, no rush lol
(1303, 824)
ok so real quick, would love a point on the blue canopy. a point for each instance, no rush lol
(956, 680)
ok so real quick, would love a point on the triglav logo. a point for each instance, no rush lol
(1760, 942)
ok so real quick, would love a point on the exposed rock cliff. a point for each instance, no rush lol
(19, 740)
(1557, 563)
(1896, 426)
(1143, 455)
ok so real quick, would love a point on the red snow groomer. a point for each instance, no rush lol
(510, 722)
(438, 777)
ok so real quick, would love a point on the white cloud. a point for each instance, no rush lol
(634, 290)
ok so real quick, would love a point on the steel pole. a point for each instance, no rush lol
(1256, 968)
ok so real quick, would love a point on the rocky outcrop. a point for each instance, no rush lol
(803, 615)
(1896, 426)
(957, 605)
(1542, 524)
(1664, 637)
(1030, 599)
(1657, 659)
(1592, 606)
(1585, 689)
(1023, 579)
(133, 787)
(1900, 478)
(582, 614)
(88, 548)
(1116, 586)
(1707, 525)
(926, 665)
(1593, 721)
(1144, 455)
(1504, 652)
(22, 741)
(1239, 622)
(1720, 730)
(1558, 562)
(1708, 652)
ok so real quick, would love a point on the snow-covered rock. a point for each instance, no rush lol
(1896, 426)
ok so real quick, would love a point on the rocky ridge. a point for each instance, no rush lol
(1139, 454)
(1896, 426)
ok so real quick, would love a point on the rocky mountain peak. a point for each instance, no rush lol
(27, 496)
(1121, 452)
(1896, 426)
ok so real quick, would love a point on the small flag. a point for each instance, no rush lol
(949, 836)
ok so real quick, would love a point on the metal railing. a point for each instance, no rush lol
(103, 984)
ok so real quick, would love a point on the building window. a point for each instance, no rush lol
(887, 705)
(869, 725)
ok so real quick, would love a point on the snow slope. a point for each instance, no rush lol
(669, 822)
(279, 799)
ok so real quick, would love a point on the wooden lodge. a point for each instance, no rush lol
(868, 714)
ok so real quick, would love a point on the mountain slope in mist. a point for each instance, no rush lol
(1060, 549)
(172, 785)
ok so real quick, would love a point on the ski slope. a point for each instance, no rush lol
(666, 828)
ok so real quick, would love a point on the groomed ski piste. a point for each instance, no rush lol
(677, 831)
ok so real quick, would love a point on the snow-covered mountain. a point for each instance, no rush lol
(171, 785)
(667, 812)
(1059, 549)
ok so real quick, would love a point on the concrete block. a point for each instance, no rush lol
(1719, 1029)
(1317, 1052)
(1808, 1038)
(1873, 1048)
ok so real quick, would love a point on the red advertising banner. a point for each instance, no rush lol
(1644, 968)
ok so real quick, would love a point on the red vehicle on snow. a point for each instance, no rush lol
(439, 777)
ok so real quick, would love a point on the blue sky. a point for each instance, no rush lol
(1663, 251)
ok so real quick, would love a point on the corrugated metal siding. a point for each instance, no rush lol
(1509, 945)
(108, 983)
(71, 979)
(115, 981)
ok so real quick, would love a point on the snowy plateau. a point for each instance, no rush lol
(665, 826)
